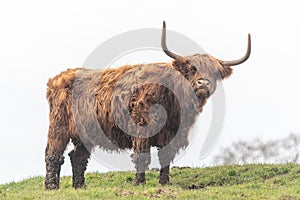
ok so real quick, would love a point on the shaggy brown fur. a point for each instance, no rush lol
(116, 109)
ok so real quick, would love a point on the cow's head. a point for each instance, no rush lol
(203, 70)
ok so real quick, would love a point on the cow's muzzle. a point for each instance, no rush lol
(201, 87)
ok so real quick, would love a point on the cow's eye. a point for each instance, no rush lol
(193, 69)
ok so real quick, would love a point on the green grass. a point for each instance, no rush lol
(223, 182)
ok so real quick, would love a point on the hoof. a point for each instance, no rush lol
(80, 187)
(79, 184)
(165, 181)
(51, 186)
(140, 179)
(139, 183)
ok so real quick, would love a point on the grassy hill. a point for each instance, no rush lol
(223, 182)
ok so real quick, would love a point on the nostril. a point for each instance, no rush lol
(200, 82)
(203, 82)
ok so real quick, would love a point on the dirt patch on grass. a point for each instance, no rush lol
(152, 193)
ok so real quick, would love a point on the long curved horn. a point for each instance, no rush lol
(241, 60)
(164, 46)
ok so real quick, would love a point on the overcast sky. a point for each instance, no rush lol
(39, 39)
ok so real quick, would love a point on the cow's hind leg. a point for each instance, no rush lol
(54, 159)
(79, 159)
(141, 158)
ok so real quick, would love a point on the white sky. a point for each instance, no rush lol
(39, 39)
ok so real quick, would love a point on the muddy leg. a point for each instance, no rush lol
(164, 177)
(54, 160)
(79, 158)
(166, 155)
(141, 158)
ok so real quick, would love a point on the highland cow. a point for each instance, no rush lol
(131, 107)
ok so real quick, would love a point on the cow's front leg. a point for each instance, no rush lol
(164, 177)
(166, 156)
(141, 158)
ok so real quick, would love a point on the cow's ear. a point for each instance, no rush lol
(180, 65)
(226, 72)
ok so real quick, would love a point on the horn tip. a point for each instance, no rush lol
(164, 24)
